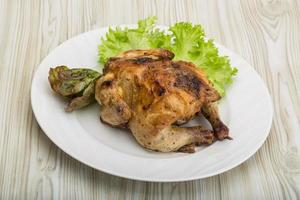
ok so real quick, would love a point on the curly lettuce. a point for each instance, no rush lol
(145, 36)
(186, 40)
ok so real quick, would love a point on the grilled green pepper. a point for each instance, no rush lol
(77, 84)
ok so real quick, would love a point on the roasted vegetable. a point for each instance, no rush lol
(78, 85)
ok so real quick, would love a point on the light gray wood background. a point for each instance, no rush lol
(266, 33)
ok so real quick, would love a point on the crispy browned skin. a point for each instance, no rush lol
(149, 93)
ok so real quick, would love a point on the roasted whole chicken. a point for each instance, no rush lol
(148, 93)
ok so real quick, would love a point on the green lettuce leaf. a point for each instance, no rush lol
(145, 36)
(185, 40)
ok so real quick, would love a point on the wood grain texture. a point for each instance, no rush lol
(266, 33)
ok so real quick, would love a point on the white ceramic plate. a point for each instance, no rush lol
(247, 110)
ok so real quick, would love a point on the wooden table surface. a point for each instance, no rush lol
(266, 33)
